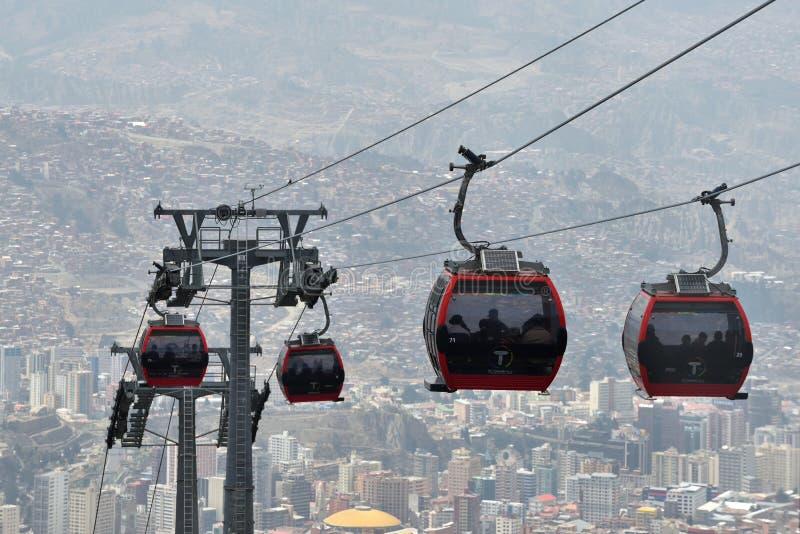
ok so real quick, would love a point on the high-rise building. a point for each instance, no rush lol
(484, 487)
(733, 427)
(688, 498)
(569, 463)
(9, 519)
(216, 495)
(51, 503)
(460, 469)
(546, 479)
(496, 508)
(527, 485)
(283, 447)
(506, 475)
(661, 421)
(597, 495)
(162, 514)
(117, 365)
(508, 524)
(735, 463)
(387, 492)
(611, 396)
(83, 508)
(10, 373)
(467, 513)
(271, 518)
(668, 467)
(542, 455)
(299, 492)
(593, 464)
(426, 465)
(61, 360)
(763, 407)
(222, 457)
(206, 459)
(461, 409)
(37, 363)
(208, 516)
(79, 392)
(262, 477)
(694, 432)
(702, 467)
(171, 461)
(478, 413)
(349, 472)
(37, 388)
(781, 466)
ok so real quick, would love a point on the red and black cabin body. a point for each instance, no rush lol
(174, 354)
(689, 338)
(310, 369)
(493, 329)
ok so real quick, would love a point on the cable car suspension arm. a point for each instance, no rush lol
(477, 163)
(711, 197)
(327, 316)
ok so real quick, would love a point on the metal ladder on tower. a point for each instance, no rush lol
(242, 372)
(189, 476)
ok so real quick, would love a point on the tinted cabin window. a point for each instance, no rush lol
(429, 322)
(312, 371)
(630, 334)
(498, 328)
(695, 342)
(174, 354)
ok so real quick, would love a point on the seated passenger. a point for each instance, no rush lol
(719, 357)
(495, 328)
(535, 333)
(651, 354)
(699, 344)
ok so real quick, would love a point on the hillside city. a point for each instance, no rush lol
(79, 189)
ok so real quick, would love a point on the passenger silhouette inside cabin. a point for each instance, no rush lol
(699, 344)
(651, 354)
(492, 327)
(686, 345)
(535, 333)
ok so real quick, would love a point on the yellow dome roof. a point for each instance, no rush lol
(362, 517)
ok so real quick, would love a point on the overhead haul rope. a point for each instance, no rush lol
(516, 150)
(452, 104)
(583, 225)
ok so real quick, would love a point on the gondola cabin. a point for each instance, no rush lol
(310, 369)
(494, 322)
(688, 337)
(174, 352)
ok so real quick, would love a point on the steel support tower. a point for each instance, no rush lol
(300, 278)
(270, 244)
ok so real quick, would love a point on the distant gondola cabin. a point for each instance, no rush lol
(174, 352)
(310, 369)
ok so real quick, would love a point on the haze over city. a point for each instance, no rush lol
(110, 113)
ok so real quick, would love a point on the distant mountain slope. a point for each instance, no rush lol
(333, 76)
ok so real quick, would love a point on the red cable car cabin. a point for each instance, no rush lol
(689, 338)
(175, 353)
(494, 323)
(310, 369)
